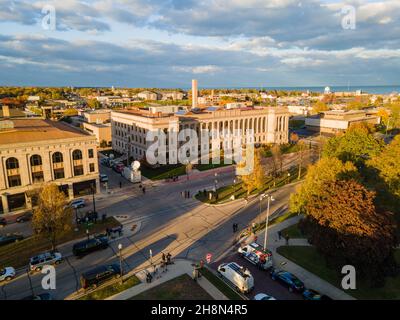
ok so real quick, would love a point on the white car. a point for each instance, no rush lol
(263, 296)
(7, 274)
(78, 203)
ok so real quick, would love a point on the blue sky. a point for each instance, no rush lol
(222, 43)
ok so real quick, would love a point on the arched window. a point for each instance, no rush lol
(36, 160)
(14, 178)
(57, 157)
(77, 155)
(12, 163)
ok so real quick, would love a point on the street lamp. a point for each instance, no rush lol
(270, 198)
(120, 258)
(288, 175)
(87, 233)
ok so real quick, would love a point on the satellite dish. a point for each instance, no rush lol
(135, 165)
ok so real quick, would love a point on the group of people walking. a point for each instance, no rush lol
(186, 194)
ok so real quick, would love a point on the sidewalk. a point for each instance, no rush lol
(175, 270)
(310, 280)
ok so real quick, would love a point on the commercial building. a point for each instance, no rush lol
(97, 116)
(37, 151)
(339, 121)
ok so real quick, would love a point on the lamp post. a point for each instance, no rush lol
(233, 187)
(120, 258)
(270, 198)
(87, 227)
(288, 175)
(94, 202)
(262, 196)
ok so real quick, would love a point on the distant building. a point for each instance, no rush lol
(300, 110)
(173, 95)
(339, 121)
(97, 116)
(102, 132)
(149, 95)
(36, 151)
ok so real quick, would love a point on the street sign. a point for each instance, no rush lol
(208, 257)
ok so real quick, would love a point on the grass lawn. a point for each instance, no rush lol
(180, 288)
(163, 172)
(293, 232)
(17, 254)
(311, 260)
(220, 285)
(110, 290)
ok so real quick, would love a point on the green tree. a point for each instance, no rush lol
(52, 217)
(343, 223)
(356, 145)
(388, 165)
(94, 104)
(324, 171)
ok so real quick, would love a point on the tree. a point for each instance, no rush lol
(94, 104)
(256, 179)
(343, 223)
(318, 175)
(276, 160)
(303, 149)
(294, 137)
(356, 145)
(388, 165)
(52, 217)
(70, 112)
(319, 107)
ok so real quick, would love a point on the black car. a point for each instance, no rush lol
(90, 216)
(289, 280)
(42, 296)
(98, 275)
(3, 222)
(310, 294)
(10, 238)
(25, 217)
(87, 246)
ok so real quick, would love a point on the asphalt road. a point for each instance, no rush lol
(169, 223)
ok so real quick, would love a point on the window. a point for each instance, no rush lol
(14, 181)
(12, 163)
(77, 155)
(78, 170)
(36, 160)
(57, 157)
(91, 167)
(91, 154)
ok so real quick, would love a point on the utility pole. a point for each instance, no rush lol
(270, 198)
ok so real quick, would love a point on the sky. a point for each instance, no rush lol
(222, 43)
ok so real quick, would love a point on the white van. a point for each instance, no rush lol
(239, 276)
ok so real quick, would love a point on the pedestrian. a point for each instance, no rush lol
(234, 227)
(188, 194)
(279, 234)
(108, 232)
(287, 239)
(163, 257)
(120, 184)
(168, 258)
(144, 190)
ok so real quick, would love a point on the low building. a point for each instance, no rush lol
(97, 116)
(37, 151)
(339, 121)
(149, 95)
(102, 132)
(300, 110)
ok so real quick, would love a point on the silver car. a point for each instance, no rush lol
(7, 274)
(38, 262)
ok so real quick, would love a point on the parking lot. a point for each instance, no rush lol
(262, 280)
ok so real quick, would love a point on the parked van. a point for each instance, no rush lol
(87, 246)
(257, 255)
(239, 276)
(98, 275)
(36, 263)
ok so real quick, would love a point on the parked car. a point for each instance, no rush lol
(25, 217)
(36, 263)
(41, 296)
(10, 238)
(104, 161)
(263, 296)
(257, 255)
(310, 294)
(90, 216)
(238, 276)
(87, 246)
(3, 222)
(118, 167)
(98, 275)
(78, 203)
(7, 274)
(103, 177)
(289, 280)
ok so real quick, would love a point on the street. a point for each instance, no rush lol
(168, 223)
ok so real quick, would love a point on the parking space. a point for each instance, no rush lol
(262, 280)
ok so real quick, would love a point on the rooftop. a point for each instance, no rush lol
(32, 130)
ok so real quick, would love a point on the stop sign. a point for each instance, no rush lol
(208, 257)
